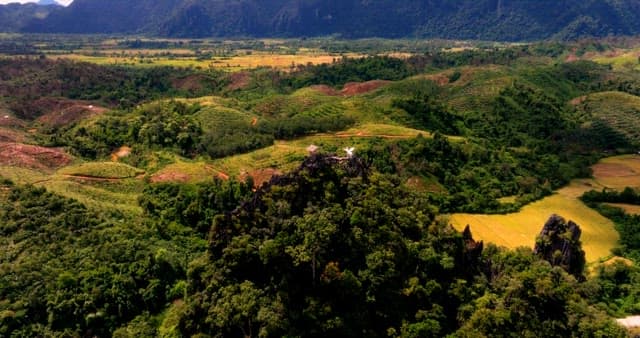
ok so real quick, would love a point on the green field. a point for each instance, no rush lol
(106, 170)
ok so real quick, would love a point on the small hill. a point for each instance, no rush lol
(614, 115)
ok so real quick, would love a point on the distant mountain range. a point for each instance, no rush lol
(14, 17)
(506, 20)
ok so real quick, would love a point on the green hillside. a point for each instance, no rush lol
(616, 114)
(319, 200)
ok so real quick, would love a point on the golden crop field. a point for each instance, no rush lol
(598, 233)
(230, 63)
(520, 229)
(618, 172)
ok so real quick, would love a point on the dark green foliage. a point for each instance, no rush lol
(64, 268)
(192, 205)
(627, 225)
(521, 116)
(628, 196)
(616, 288)
(300, 125)
(322, 253)
(350, 70)
(153, 126)
(339, 247)
(27, 79)
(236, 139)
(474, 174)
(240, 137)
(617, 282)
(527, 297)
(430, 114)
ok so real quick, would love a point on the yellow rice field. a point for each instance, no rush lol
(598, 233)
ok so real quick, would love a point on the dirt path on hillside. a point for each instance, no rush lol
(102, 179)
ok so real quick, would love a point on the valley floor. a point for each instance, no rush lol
(598, 233)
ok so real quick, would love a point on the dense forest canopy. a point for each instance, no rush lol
(196, 202)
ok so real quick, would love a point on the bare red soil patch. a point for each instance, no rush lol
(33, 157)
(324, 89)
(612, 170)
(121, 152)
(355, 88)
(59, 112)
(239, 80)
(351, 88)
(222, 176)
(189, 83)
(571, 58)
(10, 121)
(263, 175)
(8, 135)
(170, 177)
(578, 100)
(440, 79)
(614, 53)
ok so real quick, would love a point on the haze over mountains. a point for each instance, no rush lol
(507, 20)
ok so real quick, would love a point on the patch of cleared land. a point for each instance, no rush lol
(187, 171)
(618, 59)
(618, 172)
(598, 233)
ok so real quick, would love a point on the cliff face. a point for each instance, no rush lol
(559, 244)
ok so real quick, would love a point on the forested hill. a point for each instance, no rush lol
(508, 20)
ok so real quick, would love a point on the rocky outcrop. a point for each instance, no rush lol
(472, 251)
(559, 244)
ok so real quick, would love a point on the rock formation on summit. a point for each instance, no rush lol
(559, 244)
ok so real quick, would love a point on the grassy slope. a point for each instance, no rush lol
(619, 60)
(106, 170)
(620, 111)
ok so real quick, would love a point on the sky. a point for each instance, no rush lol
(3, 2)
